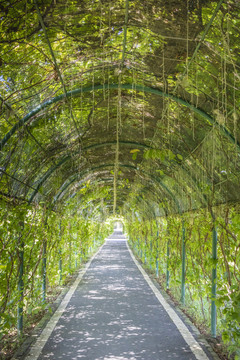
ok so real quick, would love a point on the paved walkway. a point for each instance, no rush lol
(114, 314)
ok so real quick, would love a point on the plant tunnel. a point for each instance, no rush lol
(128, 111)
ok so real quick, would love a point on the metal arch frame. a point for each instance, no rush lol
(128, 86)
(138, 196)
(98, 181)
(74, 177)
(89, 171)
(66, 158)
(91, 201)
(144, 190)
(50, 171)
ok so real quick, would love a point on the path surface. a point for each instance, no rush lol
(114, 314)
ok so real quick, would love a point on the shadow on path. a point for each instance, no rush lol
(113, 314)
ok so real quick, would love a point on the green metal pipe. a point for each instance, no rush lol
(60, 266)
(167, 273)
(214, 283)
(157, 255)
(76, 262)
(60, 254)
(150, 260)
(145, 251)
(44, 271)
(183, 265)
(20, 290)
(70, 256)
(96, 87)
(46, 176)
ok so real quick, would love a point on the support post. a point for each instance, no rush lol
(145, 251)
(44, 271)
(214, 283)
(167, 274)
(70, 257)
(44, 264)
(76, 263)
(60, 266)
(81, 257)
(183, 265)
(157, 270)
(20, 287)
(150, 260)
(70, 249)
(60, 255)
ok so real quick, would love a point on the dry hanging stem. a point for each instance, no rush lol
(116, 165)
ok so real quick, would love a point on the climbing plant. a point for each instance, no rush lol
(151, 246)
(28, 235)
(128, 108)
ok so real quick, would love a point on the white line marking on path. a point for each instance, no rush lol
(47, 331)
(188, 337)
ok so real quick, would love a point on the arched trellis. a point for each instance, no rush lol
(137, 87)
(80, 177)
(97, 87)
(108, 202)
(146, 190)
(104, 181)
(50, 171)
(66, 158)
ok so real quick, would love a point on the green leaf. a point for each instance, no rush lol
(160, 172)
(134, 156)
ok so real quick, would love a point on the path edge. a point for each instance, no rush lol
(57, 307)
(164, 300)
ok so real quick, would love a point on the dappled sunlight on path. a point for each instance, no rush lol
(113, 314)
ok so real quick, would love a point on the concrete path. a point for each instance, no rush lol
(114, 314)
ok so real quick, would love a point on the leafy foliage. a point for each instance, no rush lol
(149, 240)
(145, 96)
(26, 228)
